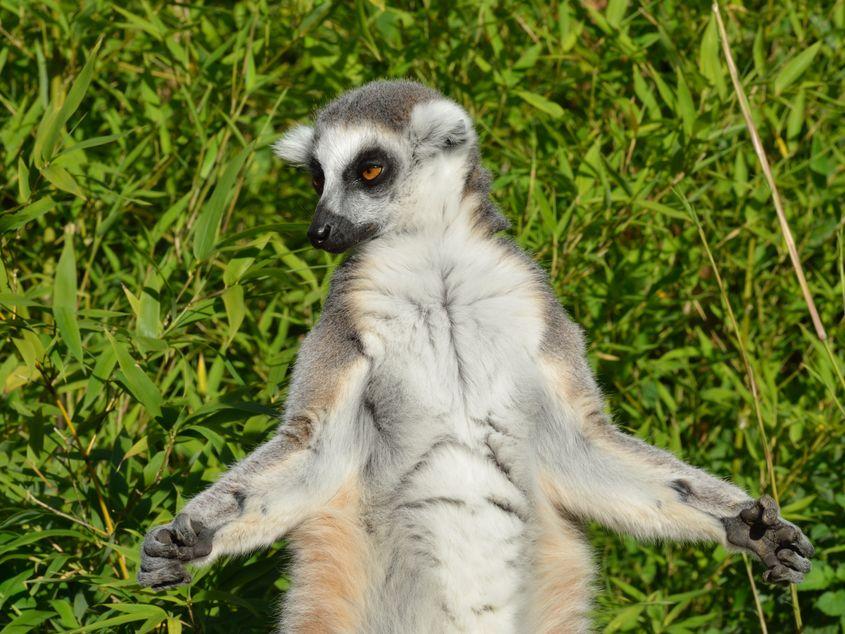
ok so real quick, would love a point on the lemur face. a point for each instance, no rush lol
(373, 153)
(356, 172)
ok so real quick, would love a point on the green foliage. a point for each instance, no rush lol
(156, 280)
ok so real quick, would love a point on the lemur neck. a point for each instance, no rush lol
(450, 196)
(435, 217)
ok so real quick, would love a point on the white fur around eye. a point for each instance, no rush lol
(296, 145)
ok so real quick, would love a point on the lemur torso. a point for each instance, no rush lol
(452, 324)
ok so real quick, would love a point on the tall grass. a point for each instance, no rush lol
(156, 280)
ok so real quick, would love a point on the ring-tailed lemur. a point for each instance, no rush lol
(443, 436)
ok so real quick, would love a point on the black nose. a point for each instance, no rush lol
(319, 234)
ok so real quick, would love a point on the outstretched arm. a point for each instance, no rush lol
(594, 471)
(285, 480)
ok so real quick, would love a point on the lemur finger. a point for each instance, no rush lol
(803, 545)
(793, 560)
(751, 515)
(185, 532)
(781, 574)
(151, 562)
(200, 549)
(167, 577)
(159, 543)
(767, 555)
(789, 535)
(770, 512)
(784, 534)
(764, 511)
(203, 545)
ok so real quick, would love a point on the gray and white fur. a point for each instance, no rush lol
(444, 438)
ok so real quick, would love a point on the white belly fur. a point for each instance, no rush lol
(452, 333)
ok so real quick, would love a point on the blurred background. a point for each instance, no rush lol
(156, 279)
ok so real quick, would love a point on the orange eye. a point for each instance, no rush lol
(371, 172)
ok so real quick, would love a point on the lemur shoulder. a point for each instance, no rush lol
(444, 436)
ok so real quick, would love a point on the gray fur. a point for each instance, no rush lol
(387, 103)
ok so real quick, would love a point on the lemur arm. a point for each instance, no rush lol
(285, 480)
(592, 470)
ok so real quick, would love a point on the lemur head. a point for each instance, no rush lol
(391, 155)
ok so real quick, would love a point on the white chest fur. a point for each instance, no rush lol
(452, 324)
(460, 317)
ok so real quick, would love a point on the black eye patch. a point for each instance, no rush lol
(318, 179)
(373, 169)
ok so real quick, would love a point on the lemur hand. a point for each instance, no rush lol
(779, 544)
(167, 548)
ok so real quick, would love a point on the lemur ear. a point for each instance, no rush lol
(439, 125)
(296, 145)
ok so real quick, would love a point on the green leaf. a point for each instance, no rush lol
(249, 76)
(23, 180)
(758, 54)
(795, 67)
(235, 270)
(92, 142)
(233, 300)
(616, 12)
(10, 222)
(62, 179)
(684, 105)
(138, 383)
(55, 119)
(65, 611)
(205, 231)
(64, 298)
(29, 538)
(709, 60)
(529, 58)
(541, 103)
(795, 120)
(135, 449)
(797, 505)
(151, 611)
(149, 306)
(666, 210)
(625, 619)
(645, 94)
(832, 603)
(102, 373)
(168, 217)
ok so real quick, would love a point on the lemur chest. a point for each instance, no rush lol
(453, 328)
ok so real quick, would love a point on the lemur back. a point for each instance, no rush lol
(444, 437)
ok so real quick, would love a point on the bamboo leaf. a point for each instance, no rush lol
(55, 119)
(102, 372)
(208, 223)
(23, 180)
(541, 103)
(16, 220)
(64, 298)
(62, 179)
(795, 67)
(138, 383)
(684, 104)
(233, 300)
(709, 60)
